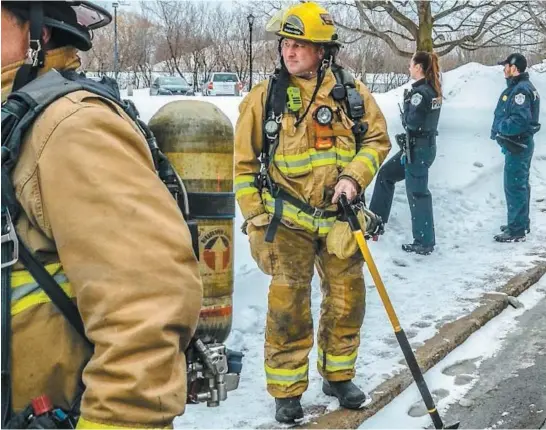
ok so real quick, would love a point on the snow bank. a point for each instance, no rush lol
(469, 207)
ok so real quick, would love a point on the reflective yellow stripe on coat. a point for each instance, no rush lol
(335, 363)
(25, 291)
(244, 185)
(286, 377)
(300, 164)
(370, 157)
(295, 215)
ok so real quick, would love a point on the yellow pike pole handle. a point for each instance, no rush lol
(398, 331)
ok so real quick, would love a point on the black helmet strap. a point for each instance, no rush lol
(36, 54)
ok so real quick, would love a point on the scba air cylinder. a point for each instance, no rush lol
(197, 137)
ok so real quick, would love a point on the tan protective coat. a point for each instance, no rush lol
(92, 200)
(314, 186)
(309, 175)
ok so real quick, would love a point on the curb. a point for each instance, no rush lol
(449, 336)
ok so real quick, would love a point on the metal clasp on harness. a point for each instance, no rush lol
(32, 52)
(10, 236)
(319, 213)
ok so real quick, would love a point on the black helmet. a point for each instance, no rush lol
(73, 20)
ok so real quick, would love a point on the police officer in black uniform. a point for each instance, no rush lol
(422, 105)
(514, 125)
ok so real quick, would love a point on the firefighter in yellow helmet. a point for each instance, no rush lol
(304, 137)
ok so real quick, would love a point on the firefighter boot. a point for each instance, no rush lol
(348, 394)
(288, 410)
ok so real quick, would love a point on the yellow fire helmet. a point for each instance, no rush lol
(305, 21)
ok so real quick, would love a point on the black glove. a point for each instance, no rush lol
(401, 140)
(535, 128)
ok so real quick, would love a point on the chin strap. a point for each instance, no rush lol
(35, 54)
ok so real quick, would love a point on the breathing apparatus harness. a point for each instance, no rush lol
(277, 100)
(35, 54)
(212, 368)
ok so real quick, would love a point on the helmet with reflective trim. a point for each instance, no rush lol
(306, 21)
(72, 21)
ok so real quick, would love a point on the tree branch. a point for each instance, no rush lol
(394, 13)
(381, 35)
(459, 6)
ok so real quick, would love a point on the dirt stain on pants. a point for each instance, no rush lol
(290, 260)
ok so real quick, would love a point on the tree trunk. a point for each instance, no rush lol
(424, 39)
(363, 69)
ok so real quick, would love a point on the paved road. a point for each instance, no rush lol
(511, 390)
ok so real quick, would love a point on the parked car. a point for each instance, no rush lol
(171, 85)
(223, 84)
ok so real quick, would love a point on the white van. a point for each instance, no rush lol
(223, 84)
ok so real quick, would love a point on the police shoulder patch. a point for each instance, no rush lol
(519, 98)
(416, 99)
(436, 103)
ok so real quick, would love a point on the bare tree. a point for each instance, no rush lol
(136, 45)
(100, 58)
(136, 41)
(172, 19)
(537, 13)
(441, 26)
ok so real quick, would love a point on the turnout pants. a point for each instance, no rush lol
(290, 260)
(419, 196)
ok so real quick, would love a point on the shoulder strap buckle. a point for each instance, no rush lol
(9, 235)
(33, 53)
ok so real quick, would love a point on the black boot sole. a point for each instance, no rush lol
(414, 251)
(326, 389)
(287, 420)
(514, 240)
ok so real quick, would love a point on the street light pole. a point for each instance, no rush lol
(250, 19)
(115, 5)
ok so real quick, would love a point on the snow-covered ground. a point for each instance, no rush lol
(407, 411)
(469, 207)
